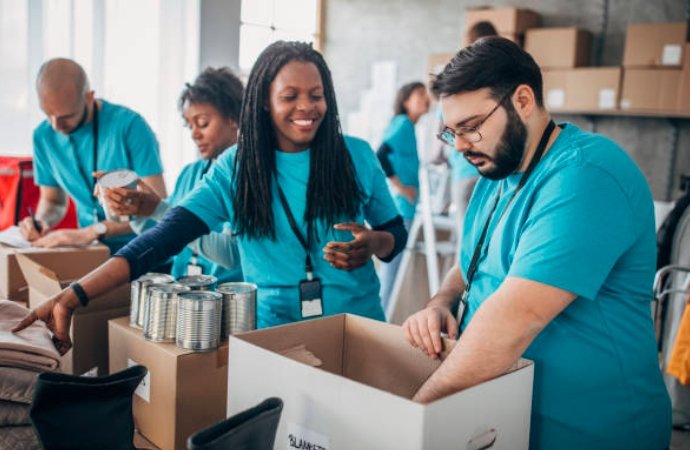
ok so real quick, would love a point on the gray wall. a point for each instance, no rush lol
(361, 32)
(219, 40)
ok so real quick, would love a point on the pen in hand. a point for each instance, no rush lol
(37, 225)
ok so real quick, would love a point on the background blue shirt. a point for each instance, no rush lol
(401, 137)
(277, 266)
(66, 161)
(189, 178)
(584, 223)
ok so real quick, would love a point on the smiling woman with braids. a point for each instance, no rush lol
(297, 194)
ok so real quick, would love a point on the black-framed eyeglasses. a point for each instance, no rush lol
(471, 134)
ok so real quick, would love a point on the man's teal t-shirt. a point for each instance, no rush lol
(277, 266)
(400, 136)
(189, 178)
(125, 141)
(584, 223)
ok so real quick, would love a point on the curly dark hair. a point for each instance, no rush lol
(218, 87)
(333, 192)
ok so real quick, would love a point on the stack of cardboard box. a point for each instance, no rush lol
(657, 72)
(183, 392)
(31, 276)
(511, 23)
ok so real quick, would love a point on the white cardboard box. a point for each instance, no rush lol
(359, 396)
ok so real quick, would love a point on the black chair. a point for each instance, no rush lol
(252, 429)
(74, 412)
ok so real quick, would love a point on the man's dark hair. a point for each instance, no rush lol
(219, 87)
(491, 62)
(404, 94)
(333, 192)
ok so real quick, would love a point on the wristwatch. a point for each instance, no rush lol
(101, 229)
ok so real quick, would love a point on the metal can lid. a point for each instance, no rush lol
(118, 178)
(200, 296)
(156, 278)
(198, 280)
(168, 288)
(236, 287)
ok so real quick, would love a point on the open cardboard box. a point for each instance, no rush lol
(360, 394)
(67, 262)
(183, 392)
(89, 330)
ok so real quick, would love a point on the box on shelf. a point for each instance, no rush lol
(347, 382)
(684, 94)
(651, 90)
(655, 44)
(183, 392)
(436, 62)
(89, 330)
(507, 21)
(582, 89)
(69, 263)
(559, 48)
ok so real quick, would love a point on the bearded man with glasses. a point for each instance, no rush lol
(557, 266)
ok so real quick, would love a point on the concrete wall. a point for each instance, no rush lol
(361, 32)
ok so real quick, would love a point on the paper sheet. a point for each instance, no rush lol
(13, 238)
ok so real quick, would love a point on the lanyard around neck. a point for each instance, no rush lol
(306, 243)
(95, 161)
(474, 262)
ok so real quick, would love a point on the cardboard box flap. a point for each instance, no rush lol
(38, 277)
(323, 338)
(378, 355)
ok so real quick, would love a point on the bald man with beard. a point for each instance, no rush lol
(83, 135)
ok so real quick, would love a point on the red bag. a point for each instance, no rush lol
(18, 193)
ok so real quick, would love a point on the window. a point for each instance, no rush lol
(138, 56)
(266, 21)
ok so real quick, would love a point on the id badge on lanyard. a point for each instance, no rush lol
(193, 268)
(310, 291)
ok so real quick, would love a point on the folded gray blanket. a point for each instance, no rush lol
(18, 438)
(17, 385)
(13, 413)
(31, 348)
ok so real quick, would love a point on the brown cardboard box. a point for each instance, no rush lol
(684, 94)
(141, 443)
(183, 392)
(89, 330)
(437, 62)
(347, 383)
(559, 48)
(586, 89)
(554, 88)
(69, 263)
(655, 44)
(511, 21)
(650, 90)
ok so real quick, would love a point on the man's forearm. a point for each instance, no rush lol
(49, 212)
(450, 290)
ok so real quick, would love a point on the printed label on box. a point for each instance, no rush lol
(144, 388)
(303, 439)
(625, 104)
(555, 98)
(671, 55)
(607, 99)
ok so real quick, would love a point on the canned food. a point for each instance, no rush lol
(139, 290)
(239, 308)
(160, 312)
(199, 282)
(198, 320)
(121, 178)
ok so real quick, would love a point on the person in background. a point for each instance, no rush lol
(558, 267)
(293, 187)
(81, 136)
(400, 162)
(463, 174)
(211, 110)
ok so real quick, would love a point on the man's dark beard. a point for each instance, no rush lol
(510, 149)
(82, 120)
